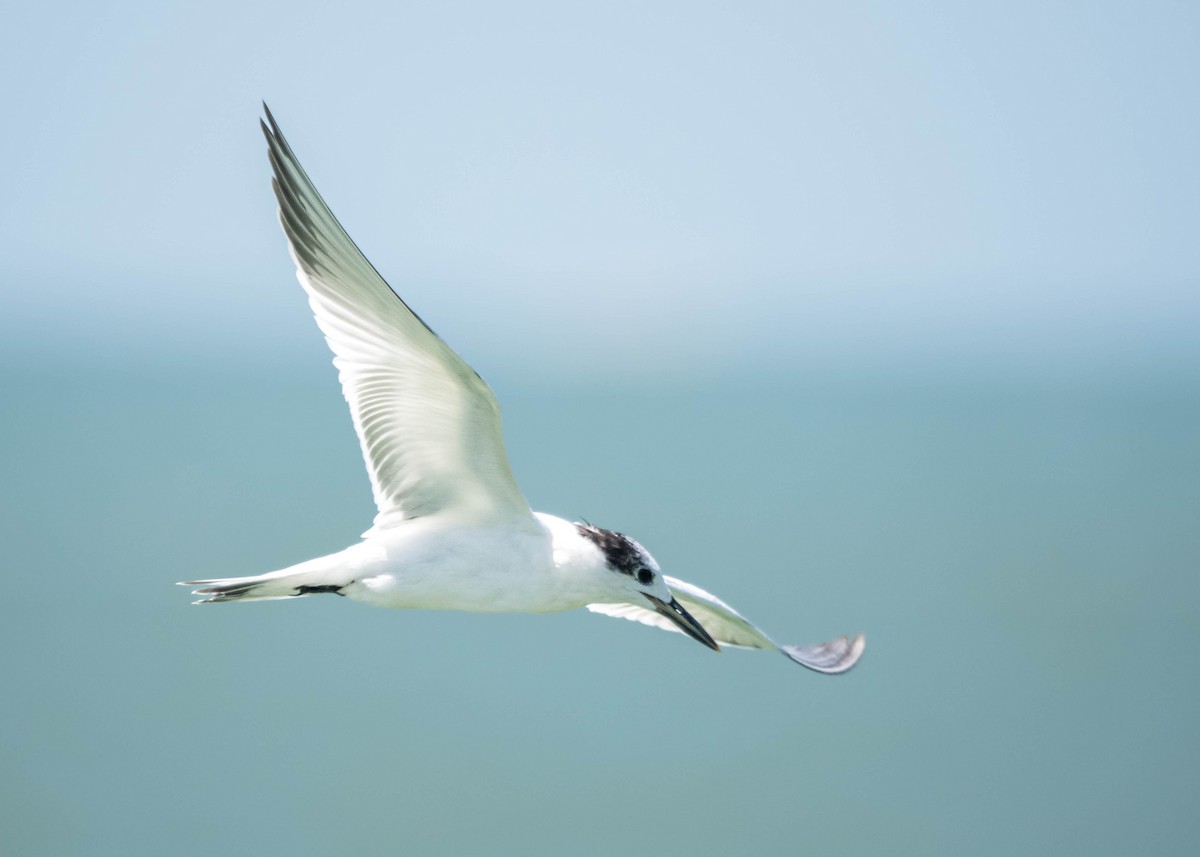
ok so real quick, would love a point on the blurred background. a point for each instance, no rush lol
(863, 317)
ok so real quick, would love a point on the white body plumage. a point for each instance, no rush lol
(438, 563)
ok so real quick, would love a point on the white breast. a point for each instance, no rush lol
(436, 563)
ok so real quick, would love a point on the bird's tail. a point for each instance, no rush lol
(324, 574)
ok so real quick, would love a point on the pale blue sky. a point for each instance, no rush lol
(601, 187)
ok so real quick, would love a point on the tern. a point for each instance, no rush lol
(453, 531)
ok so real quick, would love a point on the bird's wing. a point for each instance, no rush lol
(428, 425)
(729, 627)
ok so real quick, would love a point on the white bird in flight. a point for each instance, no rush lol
(453, 531)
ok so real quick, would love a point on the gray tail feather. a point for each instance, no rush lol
(241, 589)
(308, 578)
(231, 591)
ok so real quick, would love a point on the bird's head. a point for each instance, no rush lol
(636, 579)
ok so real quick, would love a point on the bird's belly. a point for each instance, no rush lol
(480, 569)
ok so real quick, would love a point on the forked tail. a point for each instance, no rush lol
(321, 575)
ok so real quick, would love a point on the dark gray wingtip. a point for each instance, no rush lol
(832, 657)
(270, 117)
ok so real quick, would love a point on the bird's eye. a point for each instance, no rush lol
(645, 576)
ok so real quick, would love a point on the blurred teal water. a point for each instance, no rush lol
(1023, 559)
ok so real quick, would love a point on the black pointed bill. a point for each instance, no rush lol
(684, 620)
